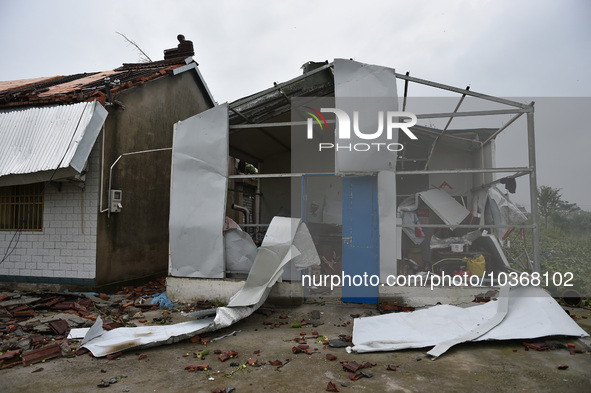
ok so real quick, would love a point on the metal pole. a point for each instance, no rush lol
(533, 188)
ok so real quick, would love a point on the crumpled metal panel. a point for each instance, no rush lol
(47, 138)
(287, 239)
(198, 194)
(520, 313)
(367, 89)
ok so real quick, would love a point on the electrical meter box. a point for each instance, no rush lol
(116, 201)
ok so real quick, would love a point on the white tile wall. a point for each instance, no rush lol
(66, 247)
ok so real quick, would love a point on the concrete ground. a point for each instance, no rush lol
(484, 367)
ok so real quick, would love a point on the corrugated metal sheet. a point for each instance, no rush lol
(48, 138)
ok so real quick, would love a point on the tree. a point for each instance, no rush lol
(550, 202)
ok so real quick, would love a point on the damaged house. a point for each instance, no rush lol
(418, 196)
(85, 170)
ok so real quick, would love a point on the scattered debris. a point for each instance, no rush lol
(227, 355)
(338, 343)
(197, 367)
(331, 387)
(229, 389)
(227, 335)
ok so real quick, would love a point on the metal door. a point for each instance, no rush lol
(360, 239)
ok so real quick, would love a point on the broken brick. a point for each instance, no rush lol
(59, 327)
(227, 355)
(197, 367)
(331, 387)
(142, 356)
(24, 314)
(81, 351)
(355, 376)
(252, 361)
(44, 353)
(10, 354)
(392, 367)
(330, 356)
(352, 366)
(276, 363)
(537, 346)
(114, 355)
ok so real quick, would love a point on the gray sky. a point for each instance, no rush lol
(526, 48)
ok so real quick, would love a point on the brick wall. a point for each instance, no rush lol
(66, 248)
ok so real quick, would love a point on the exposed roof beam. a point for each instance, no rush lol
(462, 91)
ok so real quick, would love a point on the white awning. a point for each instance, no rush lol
(43, 143)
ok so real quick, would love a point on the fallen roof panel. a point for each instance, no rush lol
(531, 312)
(47, 139)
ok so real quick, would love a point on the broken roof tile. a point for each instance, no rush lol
(83, 86)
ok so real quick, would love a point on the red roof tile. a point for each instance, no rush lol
(81, 87)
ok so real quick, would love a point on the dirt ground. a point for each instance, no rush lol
(484, 367)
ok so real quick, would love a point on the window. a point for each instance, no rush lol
(21, 207)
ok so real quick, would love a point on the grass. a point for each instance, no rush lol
(561, 254)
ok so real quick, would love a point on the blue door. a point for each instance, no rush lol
(360, 239)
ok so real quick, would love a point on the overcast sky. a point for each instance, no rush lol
(526, 48)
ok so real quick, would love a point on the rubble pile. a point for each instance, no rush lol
(34, 327)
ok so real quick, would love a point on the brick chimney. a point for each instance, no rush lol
(184, 49)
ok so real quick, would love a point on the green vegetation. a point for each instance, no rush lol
(565, 243)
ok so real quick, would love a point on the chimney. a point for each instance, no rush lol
(184, 49)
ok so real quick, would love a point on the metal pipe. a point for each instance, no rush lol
(399, 173)
(446, 171)
(101, 210)
(243, 210)
(533, 188)
(491, 112)
(473, 226)
(405, 92)
(444, 129)
(115, 163)
(461, 91)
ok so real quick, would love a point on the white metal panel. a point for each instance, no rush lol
(445, 206)
(366, 89)
(48, 138)
(529, 312)
(389, 241)
(198, 194)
